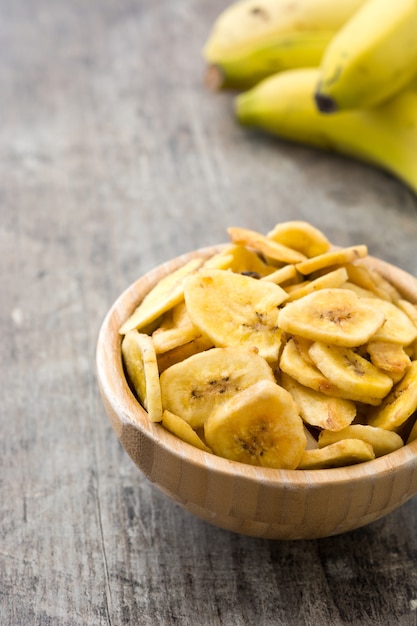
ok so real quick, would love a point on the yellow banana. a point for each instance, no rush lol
(385, 136)
(252, 39)
(372, 56)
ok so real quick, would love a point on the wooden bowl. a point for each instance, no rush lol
(256, 501)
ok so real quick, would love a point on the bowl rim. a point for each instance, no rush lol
(129, 413)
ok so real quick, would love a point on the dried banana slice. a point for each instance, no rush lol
(264, 245)
(248, 262)
(194, 387)
(168, 292)
(409, 309)
(334, 257)
(338, 454)
(296, 362)
(140, 361)
(179, 427)
(236, 310)
(182, 352)
(349, 371)
(318, 409)
(369, 279)
(399, 405)
(300, 236)
(176, 330)
(397, 326)
(259, 426)
(282, 275)
(333, 279)
(389, 357)
(336, 316)
(413, 433)
(382, 441)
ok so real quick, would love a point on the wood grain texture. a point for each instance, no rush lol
(113, 159)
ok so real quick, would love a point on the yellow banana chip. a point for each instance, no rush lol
(300, 236)
(336, 316)
(399, 405)
(166, 294)
(349, 371)
(335, 278)
(389, 357)
(338, 454)
(329, 259)
(140, 361)
(236, 310)
(318, 409)
(265, 246)
(259, 426)
(179, 427)
(182, 352)
(194, 387)
(382, 441)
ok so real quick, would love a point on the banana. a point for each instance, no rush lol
(336, 316)
(385, 136)
(140, 361)
(252, 39)
(236, 310)
(371, 57)
(259, 426)
(349, 371)
(192, 388)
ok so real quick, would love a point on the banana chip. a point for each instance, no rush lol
(259, 426)
(382, 441)
(300, 236)
(141, 365)
(194, 387)
(332, 258)
(177, 426)
(236, 310)
(318, 409)
(265, 246)
(166, 294)
(338, 454)
(336, 316)
(336, 278)
(349, 371)
(399, 405)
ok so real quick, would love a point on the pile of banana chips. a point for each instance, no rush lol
(279, 351)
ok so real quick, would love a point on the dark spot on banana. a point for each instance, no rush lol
(261, 12)
(251, 274)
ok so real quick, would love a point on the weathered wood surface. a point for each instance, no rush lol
(115, 158)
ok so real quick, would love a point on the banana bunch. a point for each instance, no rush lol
(354, 91)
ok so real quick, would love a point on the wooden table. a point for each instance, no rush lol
(115, 158)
